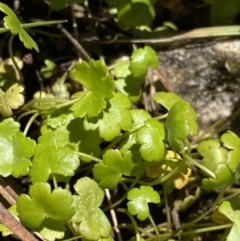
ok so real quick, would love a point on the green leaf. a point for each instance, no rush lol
(93, 224)
(52, 230)
(231, 209)
(141, 60)
(180, 123)
(15, 150)
(48, 70)
(53, 160)
(231, 141)
(12, 99)
(12, 23)
(223, 11)
(166, 99)
(132, 13)
(99, 85)
(114, 165)
(84, 141)
(130, 87)
(113, 119)
(130, 142)
(150, 137)
(215, 159)
(213, 154)
(139, 199)
(42, 204)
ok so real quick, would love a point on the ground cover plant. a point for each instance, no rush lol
(81, 158)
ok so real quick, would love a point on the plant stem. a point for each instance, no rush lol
(189, 224)
(195, 163)
(81, 154)
(13, 59)
(31, 120)
(154, 227)
(134, 223)
(123, 197)
(54, 181)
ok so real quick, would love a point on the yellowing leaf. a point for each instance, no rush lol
(12, 99)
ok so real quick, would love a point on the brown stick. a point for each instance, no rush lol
(11, 223)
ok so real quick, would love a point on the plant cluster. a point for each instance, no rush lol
(98, 141)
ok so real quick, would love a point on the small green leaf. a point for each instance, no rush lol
(43, 204)
(48, 70)
(215, 159)
(15, 150)
(99, 85)
(52, 230)
(231, 209)
(231, 141)
(141, 60)
(180, 123)
(93, 224)
(130, 142)
(12, 23)
(133, 13)
(139, 199)
(223, 11)
(113, 119)
(12, 99)
(166, 99)
(61, 160)
(150, 137)
(115, 165)
(213, 154)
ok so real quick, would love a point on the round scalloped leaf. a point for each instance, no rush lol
(115, 165)
(12, 99)
(61, 160)
(133, 13)
(150, 137)
(213, 154)
(141, 60)
(139, 199)
(130, 88)
(166, 99)
(113, 119)
(231, 141)
(52, 230)
(100, 88)
(224, 178)
(93, 224)
(15, 150)
(12, 23)
(130, 142)
(180, 123)
(42, 204)
(231, 209)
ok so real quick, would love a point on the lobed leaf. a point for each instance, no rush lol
(133, 13)
(15, 150)
(166, 99)
(180, 123)
(231, 209)
(115, 165)
(150, 137)
(42, 204)
(139, 199)
(12, 99)
(12, 23)
(100, 88)
(231, 141)
(141, 60)
(130, 142)
(93, 224)
(113, 119)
